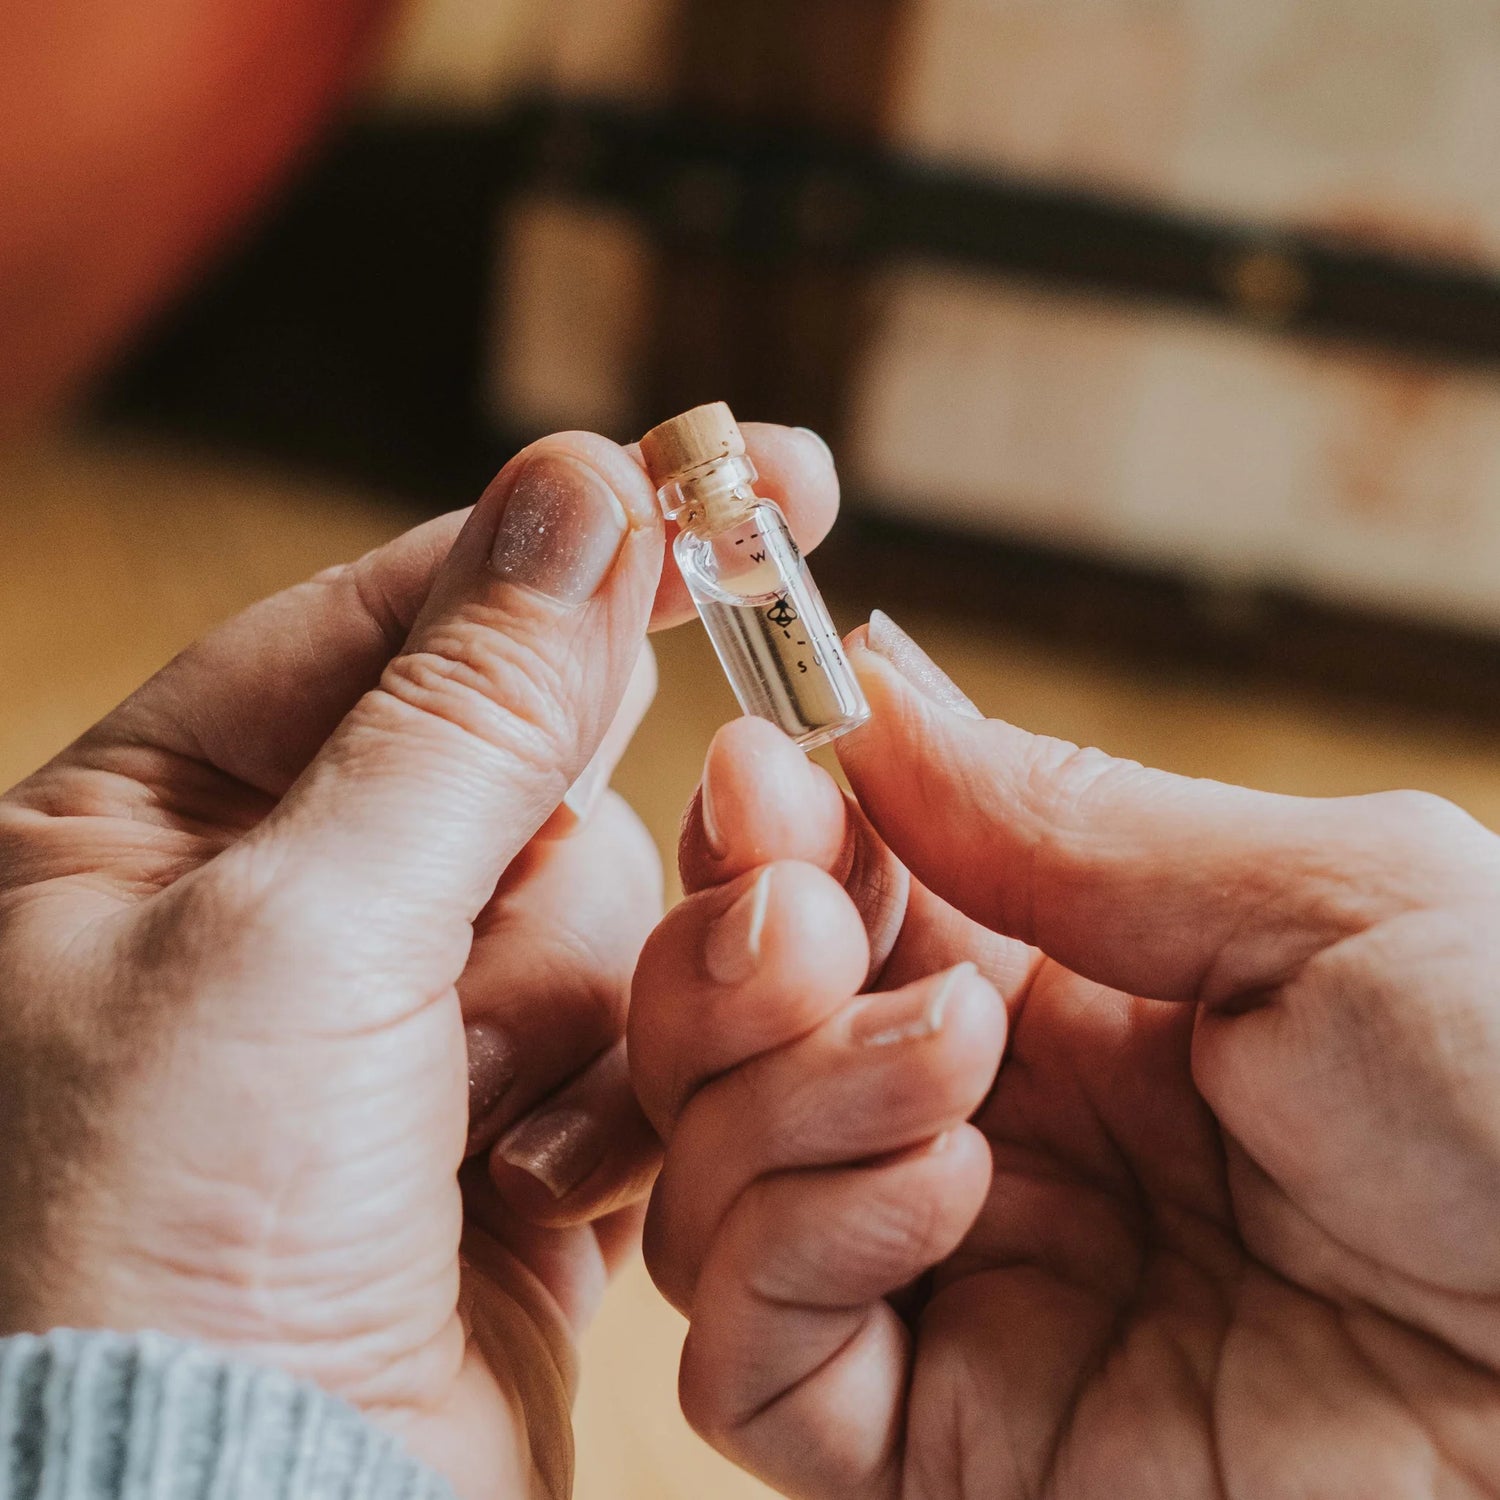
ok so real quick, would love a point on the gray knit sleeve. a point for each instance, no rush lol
(108, 1416)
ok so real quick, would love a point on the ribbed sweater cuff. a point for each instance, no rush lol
(108, 1416)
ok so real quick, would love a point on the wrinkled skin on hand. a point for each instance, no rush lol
(1196, 1197)
(244, 925)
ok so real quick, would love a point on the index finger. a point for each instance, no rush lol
(1140, 880)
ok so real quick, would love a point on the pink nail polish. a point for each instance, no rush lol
(561, 529)
(561, 1149)
(492, 1070)
(886, 638)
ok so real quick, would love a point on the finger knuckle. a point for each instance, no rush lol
(1421, 846)
(656, 1232)
(893, 1235)
(866, 1246)
(952, 1077)
(16, 844)
(1424, 815)
(1063, 780)
(703, 1395)
(500, 690)
(359, 584)
(1060, 787)
(756, 1103)
(664, 1242)
(580, 972)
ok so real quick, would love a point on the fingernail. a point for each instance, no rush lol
(713, 834)
(819, 439)
(886, 638)
(732, 951)
(583, 796)
(561, 530)
(560, 1149)
(492, 1070)
(887, 1020)
(577, 805)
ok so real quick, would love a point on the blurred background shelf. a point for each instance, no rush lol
(1257, 427)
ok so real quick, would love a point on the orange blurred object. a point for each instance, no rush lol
(133, 137)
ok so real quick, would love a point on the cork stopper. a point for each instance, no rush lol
(696, 437)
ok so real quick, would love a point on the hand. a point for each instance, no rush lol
(245, 921)
(1222, 1221)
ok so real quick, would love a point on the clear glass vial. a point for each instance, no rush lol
(762, 610)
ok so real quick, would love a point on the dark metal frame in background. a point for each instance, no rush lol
(796, 199)
(351, 333)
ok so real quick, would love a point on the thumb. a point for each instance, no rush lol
(512, 672)
(1155, 884)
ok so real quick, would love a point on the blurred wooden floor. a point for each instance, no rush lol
(114, 557)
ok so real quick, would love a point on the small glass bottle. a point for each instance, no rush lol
(762, 610)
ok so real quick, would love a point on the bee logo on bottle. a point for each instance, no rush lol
(735, 552)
